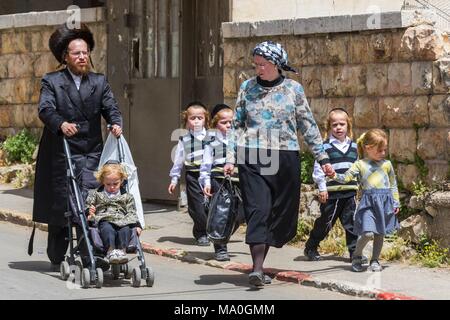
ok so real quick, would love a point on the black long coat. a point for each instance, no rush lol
(60, 101)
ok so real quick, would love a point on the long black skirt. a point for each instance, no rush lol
(270, 186)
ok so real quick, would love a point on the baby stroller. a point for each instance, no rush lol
(93, 243)
(116, 149)
(81, 260)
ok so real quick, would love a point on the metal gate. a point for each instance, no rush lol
(162, 54)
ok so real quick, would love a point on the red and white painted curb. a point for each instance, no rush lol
(281, 275)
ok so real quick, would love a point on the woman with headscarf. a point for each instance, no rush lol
(269, 110)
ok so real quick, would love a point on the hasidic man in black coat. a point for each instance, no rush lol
(72, 102)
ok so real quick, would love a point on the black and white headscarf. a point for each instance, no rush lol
(275, 53)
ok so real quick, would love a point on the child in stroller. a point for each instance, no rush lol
(113, 211)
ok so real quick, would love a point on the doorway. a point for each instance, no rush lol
(161, 55)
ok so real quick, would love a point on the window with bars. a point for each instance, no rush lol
(155, 42)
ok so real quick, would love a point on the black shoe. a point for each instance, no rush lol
(357, 264)
(256, 279)
(222, 255)
(364, 259)
(203, 241)
(312, 254)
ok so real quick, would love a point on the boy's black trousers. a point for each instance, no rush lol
(342, 208)
(196, 204)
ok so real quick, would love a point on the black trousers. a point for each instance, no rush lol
(344, 209)
(271, 197)
(196, 204)
(56, 243)
(114, 237)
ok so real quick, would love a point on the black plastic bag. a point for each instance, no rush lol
(223, 211)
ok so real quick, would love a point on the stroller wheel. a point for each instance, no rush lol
(64, 270)
(115, 269)
(85, 278)
(136, 277)
(99, 280)
(126, 271)
(150, 276)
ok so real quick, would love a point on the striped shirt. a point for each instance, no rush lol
(342, 156)
(189, 153)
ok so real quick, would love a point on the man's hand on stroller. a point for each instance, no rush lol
(69, 129)
(116, 130)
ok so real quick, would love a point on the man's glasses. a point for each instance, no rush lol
(78, 54)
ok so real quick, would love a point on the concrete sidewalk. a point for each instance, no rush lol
(169, 233)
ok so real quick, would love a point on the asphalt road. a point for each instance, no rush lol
(25, 277)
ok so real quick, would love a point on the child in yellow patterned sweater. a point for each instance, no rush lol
(377, 211)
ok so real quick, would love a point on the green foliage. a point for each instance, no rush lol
(430, 254)
(395, 249)
(419, 188)
(335, 243)
(20, 147)
(406, 212)
(421, 166)
(306, 167)
(303, 230)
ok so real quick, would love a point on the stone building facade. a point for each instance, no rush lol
(25, 57)
(395, 76)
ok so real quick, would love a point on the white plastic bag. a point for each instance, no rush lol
(111, 152)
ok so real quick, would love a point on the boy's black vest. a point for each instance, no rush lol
(193, 150)
(219, 157)
(341, 162)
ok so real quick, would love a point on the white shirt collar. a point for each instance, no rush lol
(112, 195)
(337, 141)
(200, 135)
(220, 136)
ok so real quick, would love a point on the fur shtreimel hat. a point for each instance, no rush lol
(60, 39)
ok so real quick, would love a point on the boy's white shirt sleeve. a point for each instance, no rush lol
(205, 168)
(178, 162)
(319, 177)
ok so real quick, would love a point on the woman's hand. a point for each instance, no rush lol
(328, 170)
(396, 211)
(116, 130)
(228, 169)
(323, 196)
(171, 188)
(138, 231)
(207, 191)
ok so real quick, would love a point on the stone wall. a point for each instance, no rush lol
(392, 78)
(25, 58)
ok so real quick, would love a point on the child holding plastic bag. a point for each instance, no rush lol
(214, 156)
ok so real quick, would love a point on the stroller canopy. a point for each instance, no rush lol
(117, 149)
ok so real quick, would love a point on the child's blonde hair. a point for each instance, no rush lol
(373, 137)
(218, 115)
(195, 105)
(111, 169)
(347, 118)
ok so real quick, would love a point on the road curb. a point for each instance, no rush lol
(279, 274)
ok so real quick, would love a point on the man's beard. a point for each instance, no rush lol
(79, 70)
